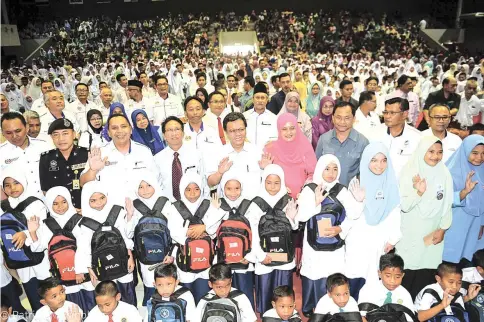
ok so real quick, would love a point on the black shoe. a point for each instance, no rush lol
(308, 314)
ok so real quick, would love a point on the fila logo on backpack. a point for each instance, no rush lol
(332, 211)
(197, 254)
(234, 236)
(62, 248)
(173, 310)
(108, 249)
(12, 222)
(221, 309)
(152, 238)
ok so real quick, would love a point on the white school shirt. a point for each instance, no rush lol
(205, 139)
(470, 275)
(450, 143)
(257, 255)
(261, 128)
(163, 108)
(44, 314)
(104, 111)
(425, 301)
(247, 314)
(124, 312)
(190, 160)
(79, 111)
(376, 293)
(272, 313)
(334, 260)
(190, 308)
(121, 169)
(245, 163)
(5, 277)
(44, 234)
(401, 147)
(26, 159)
(41, 270)
(367, 125)
(46, 119)
(326, 305)
(145, 104)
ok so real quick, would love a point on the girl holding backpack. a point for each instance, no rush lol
(329, 209)
(18, 209)
(60, 234)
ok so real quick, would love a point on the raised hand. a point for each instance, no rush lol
(96, 163)
(470, 185)
(318, 194)
(291, 209)
(215, 201)
(473, 291)
(73, 314)
(129, 208)
(224, 165)
(266, 159)
(33, 224)
(357, 191)
(419, 184)
(446, 299)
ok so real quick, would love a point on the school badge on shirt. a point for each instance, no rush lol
(440, 192)
(379, 195)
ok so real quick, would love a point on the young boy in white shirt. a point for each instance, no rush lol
(474, 274)
(55, 307)
(338, 299)
(283, 306)
(449, 281)
(7, 313)
(109, 306)
(389, 288)
(166, 284)
(220, 280)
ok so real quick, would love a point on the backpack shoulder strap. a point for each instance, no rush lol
(433, 293)
(336, 189)
(456, 297)
(159, 205)
(224, 205)
(182, 209)
(316, 317)
(244, 206)
(90, 223)
(347, 316)
(113, 215)
(179, 293)
(401, 308)
(235, 293)
(367, 307)
(202, 210)
(271, 319)
(141, 207)
(263, 205)
(52, 224)
(24, 204)
(312, 186)
(282, 202)
(72, 222)
(5, 204)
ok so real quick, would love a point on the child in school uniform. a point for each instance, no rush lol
(96, 204)
(109, 306)
(61, 209)
(283, 305)
(475, 273)
(338, 298)
(272, 190)
(166, 284)
(7, 313)
(53, 297)
(220, 281)
(449, 279)
(180, 229)
(147, 190)
(389, 289)
(313, 274)
(14, 184)
(9, 288)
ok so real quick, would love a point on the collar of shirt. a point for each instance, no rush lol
(401, 133)
(191, 128)
(353, 135)
(113, 147)
(230, 149)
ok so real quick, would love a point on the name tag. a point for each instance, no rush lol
(8, 161)
(78, 166)
(110, 163)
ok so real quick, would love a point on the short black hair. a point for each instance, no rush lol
(446, 80)
(160, 77)
(240, 73)
(5, 302)
(212, 94)
(446, 268)
(230, 76)
(250, 80)
(478, 257)
(12, 116)
(274, 78)
(232, 117)
(335, 280)
(81, 84)
(117, 115)
(168, 119)
(100, 83)
(46, 285)
(370, 79)
(283, 291)
(166, 270)
(342, 104)
(219, 271)
(141, 73)
(365, 97)
(344, 83)
(284, 75)
(106, 288)
(476, 127)
(391, 260)
(192, 98)
(46, 81)
(119, 76)
(402, 80)
(404, 104)
(201, 74)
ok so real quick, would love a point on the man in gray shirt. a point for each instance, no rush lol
(343, 141)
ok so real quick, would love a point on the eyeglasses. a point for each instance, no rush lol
(175, 130)
(236, 131)
(391, 113)
(441, 118)
(217, 102)
(96, 119)
(81, 90)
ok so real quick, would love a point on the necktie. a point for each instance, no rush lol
(341, 310)
(221, 131)
(388, 298)
(110, 317)
(176, 174)
(53, 318)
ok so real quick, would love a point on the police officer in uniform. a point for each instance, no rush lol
(63, 165)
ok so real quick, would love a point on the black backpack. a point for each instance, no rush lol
(221, 309)
(108, 249)
(196, 255)
(475, 307)
(13, 221)
(459, 313)
(390, 312)
(173, 310)
(294, 318)
(275, 231)
(152, 238)
(338, 317)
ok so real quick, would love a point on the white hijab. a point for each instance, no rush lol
(323, 162)
(184, 182)
(18, 175)
(232, 175)
(49, 201)
(149, 178)
(275, 170)
(87, 191)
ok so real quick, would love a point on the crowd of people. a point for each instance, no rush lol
(353, 158)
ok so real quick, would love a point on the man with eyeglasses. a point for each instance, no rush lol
(470, 105)
(400, 138)
(367, 121)
(165, 104)
(81, 106)
(439, 115)
(38, 105)
(404, 90)
(215, 115)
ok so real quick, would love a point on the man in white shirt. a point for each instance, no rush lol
(106, 97)
(204, 138)
(121, 94)
(214, 116)
(176, 159)
(165, 104)
(261, 123)
(366, 120)
(147, 90)
(470, 105)
(138, 101)
(38, 104)
(400, 138)
(55, 108)
(81, 106)
(439, 115)
(201, 83)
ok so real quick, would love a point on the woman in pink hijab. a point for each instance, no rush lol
(293, 152)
